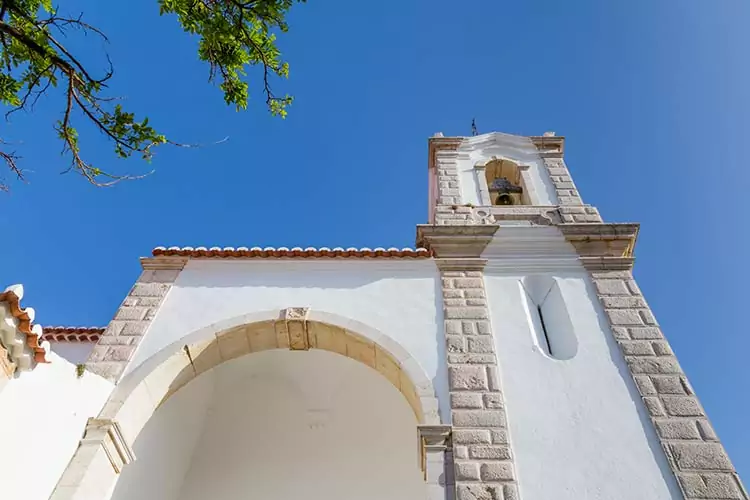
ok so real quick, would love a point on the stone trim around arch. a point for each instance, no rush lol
(141, 392)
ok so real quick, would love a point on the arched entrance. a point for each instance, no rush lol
(274, 408)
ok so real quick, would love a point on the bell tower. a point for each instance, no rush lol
(561, 382)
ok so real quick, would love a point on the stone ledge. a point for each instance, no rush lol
(456, 241)
(163, 262)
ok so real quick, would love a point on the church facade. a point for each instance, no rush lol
(509, 356)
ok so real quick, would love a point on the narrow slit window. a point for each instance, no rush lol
(544, 331)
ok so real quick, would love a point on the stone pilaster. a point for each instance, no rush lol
(436, 456)
(101, 455)
(119, 341)
(443, 158)
(484, 468)
(693, 450)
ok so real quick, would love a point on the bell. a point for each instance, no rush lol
(504, 199)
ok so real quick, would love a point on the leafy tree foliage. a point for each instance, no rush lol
(233, 36)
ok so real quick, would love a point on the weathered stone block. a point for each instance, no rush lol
(483, 328)
(499, 436)
(611, 287)
(455, 343)
(468, 327)
(620, 333)
(645, 333)
(653, 405)
(454, 302)
(648, 317)
(489, 452)
(466, 400)
(479, 492)
(119, 353)
(466, 313)
(150, 301)
(498, 471)
(131, 313)
(134, 328)
(468, 283)
(669, 385)
(510, 492)
(711, 486)
(655, 366)
(677, 429)
(471, 359)
(707, 431)
(682, 406)
(624, 317)
(471, 436)
(468, 378)
(662, 348)
(493, 377)
(149, 289)
(700, 456)
(453, 327)
(645, 386)
(623, 302)
(493, 401)
(637, 348)
(483, 344)
(467, 471)
(478, 418)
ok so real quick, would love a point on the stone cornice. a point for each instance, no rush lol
(436, 144)
(549, 144)
(156, 263)
(451, 242)
(470, 264)
(603, 246)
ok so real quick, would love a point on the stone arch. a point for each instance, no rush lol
(143, 390)
(493, 168)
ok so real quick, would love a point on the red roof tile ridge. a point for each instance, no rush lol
(272, 252)
(73, 333)
(25, 316)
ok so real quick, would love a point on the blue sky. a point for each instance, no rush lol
(652, 97)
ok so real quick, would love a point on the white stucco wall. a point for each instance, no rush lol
(279, 424)
(166, 445)
(43, 414)
(399, 298)
(518, 149)
(578, 427)
(73, 352)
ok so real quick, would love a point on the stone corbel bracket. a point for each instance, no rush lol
(456, 241)
(603, 246)
(107, 434)
(432, 439)
(291, 329)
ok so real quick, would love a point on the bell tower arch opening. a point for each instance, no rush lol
(504, 183)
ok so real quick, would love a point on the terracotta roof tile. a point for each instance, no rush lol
(72, 333)
(23, 338)
(297, 252)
